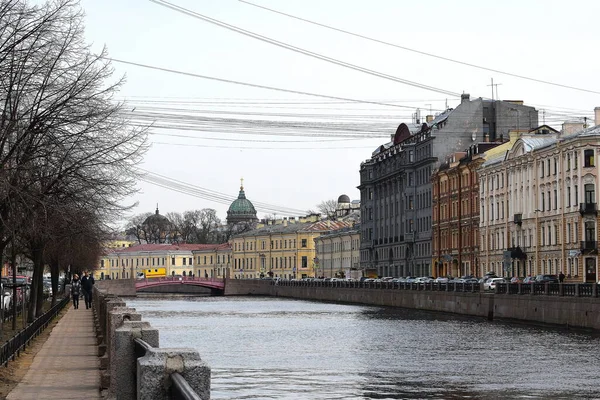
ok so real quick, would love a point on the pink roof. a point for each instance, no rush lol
(171, 247)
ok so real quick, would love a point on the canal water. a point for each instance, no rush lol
(266, 348)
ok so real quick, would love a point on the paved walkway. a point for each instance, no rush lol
(67, 366)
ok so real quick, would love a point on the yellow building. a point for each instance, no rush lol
(213, 262)
(151, 259)
(283, 248)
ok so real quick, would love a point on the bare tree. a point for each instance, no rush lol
(328, 208)
(135, 226)
(63, 139)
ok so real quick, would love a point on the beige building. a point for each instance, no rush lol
(282, 248)
(213, 262)
(338, 253)
(539, 208)
(154, 260)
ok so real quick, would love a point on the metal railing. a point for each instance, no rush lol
(180, 389)
(537, 289)
(11, 349)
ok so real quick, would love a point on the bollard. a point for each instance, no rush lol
(124, 371)
(155, 368)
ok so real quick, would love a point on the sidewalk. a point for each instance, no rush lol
(67, 366)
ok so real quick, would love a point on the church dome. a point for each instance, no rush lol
(343, 199)
(241, 209)
(156, 220)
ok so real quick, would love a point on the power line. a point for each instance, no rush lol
(207, 194)
(298, 49)
(419, 51)
(173, 71)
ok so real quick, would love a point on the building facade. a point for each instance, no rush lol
(539, 207)
(283, 248)
(396, 188)
(213, 261)
(160, 259)
(338, 253)
(455, 220)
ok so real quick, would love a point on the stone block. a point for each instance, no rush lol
(155, 368)
(124, 371)
(116, 317)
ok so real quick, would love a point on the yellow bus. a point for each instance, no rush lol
(154, 272)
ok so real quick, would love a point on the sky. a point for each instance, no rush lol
(293, 150)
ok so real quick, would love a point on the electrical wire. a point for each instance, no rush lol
(299, 50)
(419, 51)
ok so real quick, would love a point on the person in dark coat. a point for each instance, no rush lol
(87, 285)
(561, 277)
(75, 290)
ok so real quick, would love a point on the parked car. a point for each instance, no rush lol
(546, 279)
(490, 284)
(528, 280)
(423, 279)
(441, 279)
(516, 279)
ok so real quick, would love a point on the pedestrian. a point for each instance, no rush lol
(561, 277)
(75, 290)
(87, 286)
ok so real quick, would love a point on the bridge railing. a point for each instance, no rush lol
(536, 289)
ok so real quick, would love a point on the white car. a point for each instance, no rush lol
(441, 279)
(490, 284)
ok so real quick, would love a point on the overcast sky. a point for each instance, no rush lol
(209, 134)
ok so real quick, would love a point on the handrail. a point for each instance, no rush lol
(141, 347)
(181, 389)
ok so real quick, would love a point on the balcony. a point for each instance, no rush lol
(588, 246)
(518, 219)
(588, 209)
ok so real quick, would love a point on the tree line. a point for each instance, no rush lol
(67, 152)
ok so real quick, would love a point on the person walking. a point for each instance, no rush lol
(87, 285)
(75, 290)
(561, 277)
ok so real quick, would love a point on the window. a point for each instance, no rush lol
(576, 188)
(190, 261)
(568, 162)
(543, 202)
(555, 165)
(548, 167)
(184, 261)
(172, 260)
(304, 262)
(588, 158)
(590, 194)
(542, 166)
(555, 198)
(568, 196)
(304, 242)
(543, 236)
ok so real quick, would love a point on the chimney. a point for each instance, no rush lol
(285, 222)
(429, 118)
(464, 97)
(597, 116)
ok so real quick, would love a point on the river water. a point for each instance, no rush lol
(267, 348)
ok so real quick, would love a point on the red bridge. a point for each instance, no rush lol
(212, 283)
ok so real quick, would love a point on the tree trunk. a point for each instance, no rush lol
(38, 271)
(54, 272)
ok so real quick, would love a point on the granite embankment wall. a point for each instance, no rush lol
(579, 312)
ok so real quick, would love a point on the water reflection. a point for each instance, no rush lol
(265, 348)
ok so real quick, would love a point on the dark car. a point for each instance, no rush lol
(546, 279)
